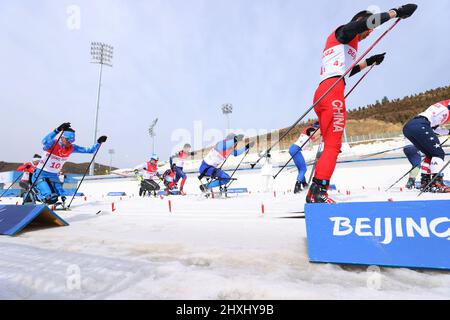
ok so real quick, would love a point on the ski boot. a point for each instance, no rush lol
(424, 181)
(31, 197)
(182, 192)
(298, 187)
(223, 191)
(411, 184)
(318, 192)
(438, 185)
(305, 185)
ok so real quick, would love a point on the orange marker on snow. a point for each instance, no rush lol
(262, 209)
(170, 206)
(113, 208)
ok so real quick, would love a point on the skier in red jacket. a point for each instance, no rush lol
(339, 55)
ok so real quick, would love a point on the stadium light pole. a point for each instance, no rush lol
(151, 132)
(102, 54)
(227, 109)
(111, 153)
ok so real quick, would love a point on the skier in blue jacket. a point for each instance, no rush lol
(48, 186)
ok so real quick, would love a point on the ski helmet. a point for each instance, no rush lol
(154, 157)
(230, 136)
(36, 158)
(69, 135)
(187, 146)
(362, 14)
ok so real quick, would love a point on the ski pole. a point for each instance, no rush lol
(327, 92)
(360, 80)
(401, 178)
(319, 149)
(292, 157)
(410, 170)
(348, 93)
(15, 181)
(240, 162)
(43, 166)
(84, 175)
(380, 152)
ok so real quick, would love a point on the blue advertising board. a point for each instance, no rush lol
(400, 234)
(14, 219)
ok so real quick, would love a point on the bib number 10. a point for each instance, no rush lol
(55, 165)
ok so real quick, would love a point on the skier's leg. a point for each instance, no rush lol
(222, 178)
(57, 185)
(180, 175)
(413, 155)
(420, 133)
(299, 161)
(44, 189)
(294, 151)
(332, 116)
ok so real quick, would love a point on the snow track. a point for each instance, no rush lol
(206, 248)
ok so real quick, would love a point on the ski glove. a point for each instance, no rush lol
(63, 127)
(238, 138)
(249, 145)
(310, 131)
(102, 139)
(378, 59)
(405, 11)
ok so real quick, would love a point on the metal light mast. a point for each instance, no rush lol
(101, 54)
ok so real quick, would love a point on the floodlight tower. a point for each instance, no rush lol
(111, 153)
(101, 54)
(227, 109)
(151, 132)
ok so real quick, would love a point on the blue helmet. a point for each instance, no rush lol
(69, 136)
(154, 157)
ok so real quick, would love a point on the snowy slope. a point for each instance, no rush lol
(205, 248)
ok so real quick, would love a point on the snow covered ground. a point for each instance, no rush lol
(206, 248)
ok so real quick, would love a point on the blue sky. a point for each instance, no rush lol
(181, 60)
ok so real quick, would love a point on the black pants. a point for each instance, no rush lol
(422, 136)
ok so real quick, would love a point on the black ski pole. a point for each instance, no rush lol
(348, 93)
(378, 153)
(84, 175)
(292, 157)
(410, 170)
(43, 166)
(442, 144)
(14, 182)
(319, 149)
(326, 92)
(240, 162)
